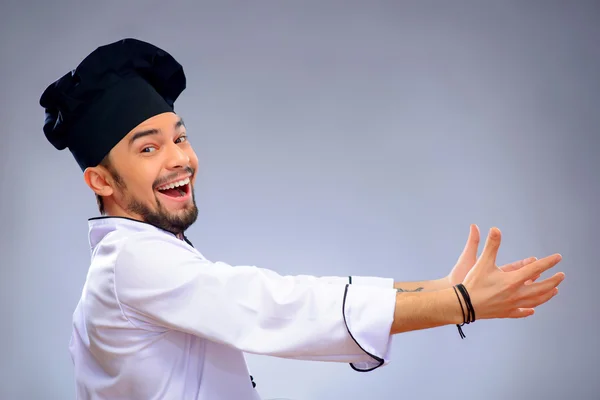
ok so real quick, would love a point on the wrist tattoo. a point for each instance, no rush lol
(399, 290)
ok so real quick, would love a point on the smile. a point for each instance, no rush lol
(178, 190)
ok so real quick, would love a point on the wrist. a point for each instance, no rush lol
(422, 310)
(466, 307)
(443, 283)
(455, 312)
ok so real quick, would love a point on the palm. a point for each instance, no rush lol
(459, 273)
(468, 258)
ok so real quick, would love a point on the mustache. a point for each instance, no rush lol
(161, 181)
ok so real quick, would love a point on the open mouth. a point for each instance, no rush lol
(176, 189)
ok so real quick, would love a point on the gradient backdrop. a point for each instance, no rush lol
(335, 138)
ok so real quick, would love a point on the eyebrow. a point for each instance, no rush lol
(148, 132)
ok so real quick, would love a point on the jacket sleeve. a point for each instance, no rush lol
(354, 280)
(255, 310)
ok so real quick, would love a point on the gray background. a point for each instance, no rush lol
(335, 138)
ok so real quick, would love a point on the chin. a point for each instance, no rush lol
(175, 222)
(173, 215)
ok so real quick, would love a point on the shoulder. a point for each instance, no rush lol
(150, 240)
(148, 249)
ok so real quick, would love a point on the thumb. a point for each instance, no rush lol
(490, 250)
(469, 253)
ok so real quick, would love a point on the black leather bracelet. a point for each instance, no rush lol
(470, 315)
(467, 298)
(459, 326)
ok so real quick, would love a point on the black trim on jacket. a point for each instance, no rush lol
(379, 360)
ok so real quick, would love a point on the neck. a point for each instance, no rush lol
(137, 217)
(111, 209)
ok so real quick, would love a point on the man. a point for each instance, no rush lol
(157, 320)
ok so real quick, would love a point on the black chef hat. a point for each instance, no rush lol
(114, 89)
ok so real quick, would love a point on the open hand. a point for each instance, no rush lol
(503, 294)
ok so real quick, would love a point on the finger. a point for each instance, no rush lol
(530, 281)
(521, 313)
(469, 253)
(517, 264)
(492, 244)
(539, 300)
(535, 289)
(538, 267)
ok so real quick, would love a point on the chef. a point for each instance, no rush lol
(156, 319)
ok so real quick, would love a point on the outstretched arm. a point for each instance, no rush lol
(165, 285)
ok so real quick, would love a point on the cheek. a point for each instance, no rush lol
(193, 162)
(137, 187)
(142, 192)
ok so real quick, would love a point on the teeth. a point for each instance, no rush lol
(175, 184)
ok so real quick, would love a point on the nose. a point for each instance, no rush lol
(177, 158)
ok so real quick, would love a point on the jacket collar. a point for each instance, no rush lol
(99, 227)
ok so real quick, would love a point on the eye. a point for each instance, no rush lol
(181, 139)
(148, 149)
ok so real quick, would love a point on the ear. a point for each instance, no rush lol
(98, 179)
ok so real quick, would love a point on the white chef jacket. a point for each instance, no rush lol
(157, 320)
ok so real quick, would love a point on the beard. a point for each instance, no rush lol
(163, 218)
(160, 216)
